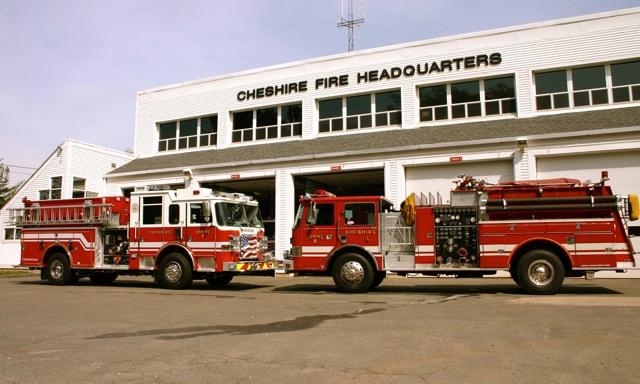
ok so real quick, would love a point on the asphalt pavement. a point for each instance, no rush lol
(301, 330)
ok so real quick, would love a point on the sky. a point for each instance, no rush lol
(70, 69)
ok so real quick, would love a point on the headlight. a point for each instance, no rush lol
(264, 244)
(234, 243)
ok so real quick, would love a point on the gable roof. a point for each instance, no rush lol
(449, 135)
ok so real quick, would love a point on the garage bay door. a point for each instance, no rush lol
(440, 178)
(623, 167)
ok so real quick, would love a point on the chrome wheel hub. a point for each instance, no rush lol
(173, 272)
(541, 272)
(352, 272)
(56, 269)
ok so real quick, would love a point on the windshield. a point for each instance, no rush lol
(238, 215)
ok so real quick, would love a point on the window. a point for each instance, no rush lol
(589, 86)
(551, 90)
(189, 133)
(242, 126)
(465, 99)
(79, 186)
(238, 215)
(359, 112)
(269, 123)
(321, 214)
(330, 115)
(291, 124)
(387, 107)
(12, 233)
(500, 96)
(152, 210)
(55, 192)
(196, 214)
(174, 214)
(167, 136)
(208, 131)
(360, 214)
(625, 78)
(433, 103)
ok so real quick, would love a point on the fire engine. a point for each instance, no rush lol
(175, 235)
(538, 231)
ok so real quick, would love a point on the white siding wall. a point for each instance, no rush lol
(524, 49)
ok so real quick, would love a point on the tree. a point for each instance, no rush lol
(6, 191)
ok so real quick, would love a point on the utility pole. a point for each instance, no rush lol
(349, 22)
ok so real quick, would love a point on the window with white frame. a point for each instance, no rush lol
(267, 123)
(360, 111)
(188, 133)
(79, 187)
(466, 99)
(588, 86)
(625, 79)
(12, 233)
(53, 193)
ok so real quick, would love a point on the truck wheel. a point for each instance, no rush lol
(353, 273)
(219, 280)
(175, 272)
(377, 280)
(540, 272)
(103, 277)
(59, 270)
(514, 276)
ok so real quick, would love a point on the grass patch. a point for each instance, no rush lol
(16, 273)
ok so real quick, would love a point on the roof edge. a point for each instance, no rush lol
(385, 150)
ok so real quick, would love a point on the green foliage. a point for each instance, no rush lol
(6, 191)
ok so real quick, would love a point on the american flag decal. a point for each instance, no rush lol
(248, 246)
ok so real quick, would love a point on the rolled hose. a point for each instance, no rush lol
(634, 207)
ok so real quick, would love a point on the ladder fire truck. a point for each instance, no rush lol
(538, 231)
(176, 236)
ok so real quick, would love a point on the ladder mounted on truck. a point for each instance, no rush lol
(78, 214)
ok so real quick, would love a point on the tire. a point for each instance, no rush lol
(219, 280)
(175, 272)
(540, 272)
(377, 279)
(103, 277)
(59, 270)
(353, 273)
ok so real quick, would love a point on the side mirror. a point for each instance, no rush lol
(206, 211)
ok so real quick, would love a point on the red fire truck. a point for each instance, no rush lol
(538, 231)
(176, 236)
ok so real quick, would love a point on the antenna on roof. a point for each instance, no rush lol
(349, 22)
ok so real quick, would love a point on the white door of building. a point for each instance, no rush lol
(622, 166)
(441, 178)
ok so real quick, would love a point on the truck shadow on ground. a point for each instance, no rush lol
(300, 323)
(149, 284)
(448, 289)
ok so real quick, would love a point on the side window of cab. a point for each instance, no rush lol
(321, 215)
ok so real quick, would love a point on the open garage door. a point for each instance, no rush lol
(623, 167)
(352, 183)
(263, 190)
(441, 178)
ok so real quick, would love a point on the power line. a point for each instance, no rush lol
(19, 166)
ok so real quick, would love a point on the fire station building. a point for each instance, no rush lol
(545, 100)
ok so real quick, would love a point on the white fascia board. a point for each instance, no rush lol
(381, 150)
(485, 33)
(100, 149)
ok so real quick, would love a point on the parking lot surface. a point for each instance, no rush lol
(301, 330)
